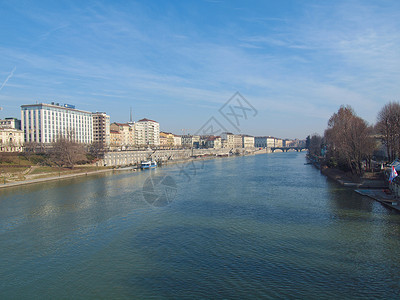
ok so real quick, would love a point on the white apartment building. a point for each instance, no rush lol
(43, 123)
(147, 132)
(278, 142)
(177, 141)
(232, 140)
(248, 141)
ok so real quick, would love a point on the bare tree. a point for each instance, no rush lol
(33, 147)
(349, 139)
(66, 152)
(96, 149)
(315, 144)
(388, 125)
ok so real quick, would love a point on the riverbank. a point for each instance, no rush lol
(52, 178)
(381, 196)
(368, 181)
(371, 185)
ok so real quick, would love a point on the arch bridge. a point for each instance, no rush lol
(286, 149)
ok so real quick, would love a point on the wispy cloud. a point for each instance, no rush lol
(8, 77)
(301, 63)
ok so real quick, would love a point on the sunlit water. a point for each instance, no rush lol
(263, 226)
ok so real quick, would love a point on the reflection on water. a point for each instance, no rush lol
(257, 226)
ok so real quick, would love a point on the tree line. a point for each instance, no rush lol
(349, 141)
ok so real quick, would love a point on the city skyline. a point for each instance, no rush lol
(179, 62)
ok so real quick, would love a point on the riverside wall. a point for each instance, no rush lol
(126, 158)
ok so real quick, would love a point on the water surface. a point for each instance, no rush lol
(264, 226)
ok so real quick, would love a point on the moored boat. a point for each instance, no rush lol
(148, 164)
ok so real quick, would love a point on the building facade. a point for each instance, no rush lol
(289, 143)
(115, 139)
(167, 140)
(264, 141)
(191, 141)
(127, 134)
(248, 141)
(11, 140)
(177, 141)
(278, 142)
(214, 142)
(44, 123)
(147, 132)
(10, 123)
(101, 129)
(232, 140)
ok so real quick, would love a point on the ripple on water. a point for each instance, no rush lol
(265, 226)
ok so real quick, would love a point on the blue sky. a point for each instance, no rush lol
(178, 62)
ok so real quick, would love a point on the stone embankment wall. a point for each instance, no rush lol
(126, 158)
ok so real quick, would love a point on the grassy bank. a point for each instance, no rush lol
(17, 167)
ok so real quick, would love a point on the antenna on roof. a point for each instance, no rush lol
(131, 114)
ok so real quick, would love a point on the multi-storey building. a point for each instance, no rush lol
(196, 141)
(10, 123)
(177, 141)
(227, 139)
(203, 141)
(264, 141)
(167, 139)
(248, 141)
(101, 129)
(289, 143)
(232, 140)
(214, 142)
(224, 143)
(11, 139)
(237, 141)
(163, 142)
(187, 141)
(147, 132)
(115, 139)
(191, 141)
(127, 133)
(278, 142)
(44, 123)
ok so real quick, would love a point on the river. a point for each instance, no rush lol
(264, 226)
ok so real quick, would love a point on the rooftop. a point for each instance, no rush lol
(147, 120)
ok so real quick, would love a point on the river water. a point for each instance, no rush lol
(265, 226)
